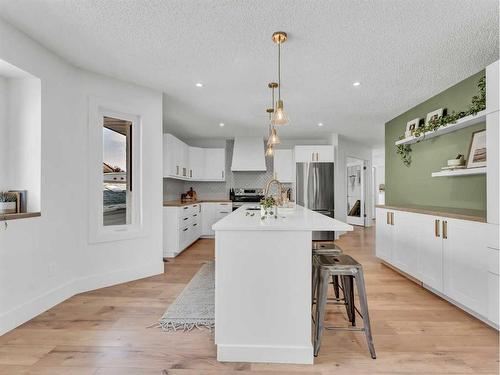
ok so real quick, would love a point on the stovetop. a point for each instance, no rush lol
(248, 195)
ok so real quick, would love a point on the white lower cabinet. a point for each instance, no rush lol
(213, 212)
(449, 256)
(465, 264)
(181, 227)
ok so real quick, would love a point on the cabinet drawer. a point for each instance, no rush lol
(184, 236)
(185, 219)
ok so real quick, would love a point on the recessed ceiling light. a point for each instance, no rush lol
(199, 84)
(356, 83)
(320, 124)
(221, 124)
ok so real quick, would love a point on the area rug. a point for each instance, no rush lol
(195, 306)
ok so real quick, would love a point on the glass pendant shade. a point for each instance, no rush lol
(274, 139)
(279, 117)
(269, 151)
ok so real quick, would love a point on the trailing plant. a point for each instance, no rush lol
(478, 104)
(404, 152)
(7, 197)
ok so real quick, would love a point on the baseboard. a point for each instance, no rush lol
(30, 309)
(98, 281)
(462, 307)
(265, 353)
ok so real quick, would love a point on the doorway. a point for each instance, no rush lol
(356, 194)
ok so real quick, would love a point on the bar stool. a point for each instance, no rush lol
(348, 269)
(325, 248)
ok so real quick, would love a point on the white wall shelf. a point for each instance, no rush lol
(460, 124)
(460, 172)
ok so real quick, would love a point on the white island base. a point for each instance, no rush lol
(263, 286)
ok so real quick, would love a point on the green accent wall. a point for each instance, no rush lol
(414, 185)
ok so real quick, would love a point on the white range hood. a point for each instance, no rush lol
(248, 155)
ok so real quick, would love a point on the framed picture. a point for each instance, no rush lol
(411, 126)
(477, 150)
(434, 115)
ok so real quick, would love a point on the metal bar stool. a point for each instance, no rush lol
(347, 268)
(325, 248)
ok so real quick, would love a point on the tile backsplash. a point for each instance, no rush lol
(172, 189)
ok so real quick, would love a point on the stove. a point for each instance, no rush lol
(243, 196)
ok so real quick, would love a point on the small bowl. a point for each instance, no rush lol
(455, 162)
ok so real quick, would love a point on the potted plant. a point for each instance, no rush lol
(7, 203)
(268, 208)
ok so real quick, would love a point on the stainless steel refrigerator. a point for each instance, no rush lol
(314, 188)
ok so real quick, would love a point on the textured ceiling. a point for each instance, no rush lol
(402, 52)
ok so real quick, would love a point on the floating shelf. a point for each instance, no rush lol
(460, 172)
(464, 122)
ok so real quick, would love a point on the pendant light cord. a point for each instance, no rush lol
(279, 70)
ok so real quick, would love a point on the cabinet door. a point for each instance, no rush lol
(171, 165)
(324, 154)
(465, 264)
(304, 154)
(215, 164)
(207, 218)
(283, 165)
(405, 241)
(430, 253)
(384, 234)
(196, 163)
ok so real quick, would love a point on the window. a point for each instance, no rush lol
(117, 171)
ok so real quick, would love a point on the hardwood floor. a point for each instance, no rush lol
(104, 332)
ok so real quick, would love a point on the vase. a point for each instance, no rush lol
(7, 207)
(268, 212)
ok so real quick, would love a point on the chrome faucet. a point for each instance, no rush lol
(280, 190)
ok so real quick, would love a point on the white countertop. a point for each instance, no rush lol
(300, 219)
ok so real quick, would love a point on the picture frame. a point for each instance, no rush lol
(434, 115)
(411, 126)
(477, 150)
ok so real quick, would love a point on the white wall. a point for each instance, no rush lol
(4, 135)
(378, 163)
(23, 149)
(47, 259)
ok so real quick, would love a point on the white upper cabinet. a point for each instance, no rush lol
(196, 163)
(192, 163)
(284, 165)
(305, 154)
(215, 164)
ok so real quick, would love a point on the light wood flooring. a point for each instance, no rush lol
(105, 332)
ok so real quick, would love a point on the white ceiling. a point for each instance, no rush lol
(401, 51)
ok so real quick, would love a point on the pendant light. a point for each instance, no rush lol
(273, 134)
(279, 117)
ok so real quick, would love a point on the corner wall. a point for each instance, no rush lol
(414, 184)
(45, 260)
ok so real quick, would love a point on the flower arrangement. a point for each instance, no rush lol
(268, 208)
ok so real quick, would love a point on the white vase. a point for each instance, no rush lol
(7, 207)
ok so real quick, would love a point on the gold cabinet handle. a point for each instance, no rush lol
(312, 156)
(388, 220)
(445, 230)
(392, 218)
(436, 228)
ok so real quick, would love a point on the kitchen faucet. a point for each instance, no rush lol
(279, 199)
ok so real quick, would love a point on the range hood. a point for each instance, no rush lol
(248, 155)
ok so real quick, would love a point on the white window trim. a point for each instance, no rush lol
(99, 107)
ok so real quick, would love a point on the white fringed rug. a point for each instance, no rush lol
(195, 306)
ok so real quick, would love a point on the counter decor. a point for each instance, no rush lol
(268, 208)
(8, 203)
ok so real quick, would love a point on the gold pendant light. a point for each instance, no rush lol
(279, 117)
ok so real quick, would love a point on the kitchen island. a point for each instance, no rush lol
(263, 284)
